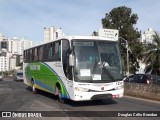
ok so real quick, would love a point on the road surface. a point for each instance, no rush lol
(16, 96)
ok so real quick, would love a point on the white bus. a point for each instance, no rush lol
(78, 68)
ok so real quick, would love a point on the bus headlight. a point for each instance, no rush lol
(81, 89)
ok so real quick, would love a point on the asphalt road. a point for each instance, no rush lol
(16, 96)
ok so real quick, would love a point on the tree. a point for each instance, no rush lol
(152, 56)
(121, 18)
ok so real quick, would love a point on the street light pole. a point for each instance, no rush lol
(127, 55)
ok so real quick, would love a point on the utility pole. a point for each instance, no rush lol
(127, 55)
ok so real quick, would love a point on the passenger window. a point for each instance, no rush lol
(57, 56)
(50, 52)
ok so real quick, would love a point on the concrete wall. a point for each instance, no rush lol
(142, 90)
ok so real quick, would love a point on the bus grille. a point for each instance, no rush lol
(101, 97)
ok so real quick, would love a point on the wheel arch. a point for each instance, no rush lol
(58, 85)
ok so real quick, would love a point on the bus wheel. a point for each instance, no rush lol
(34, 90)
(60, 98)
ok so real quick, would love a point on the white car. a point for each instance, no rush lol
(1, 77)
(18, 76)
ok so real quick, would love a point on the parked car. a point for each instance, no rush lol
(146, 78)
(129, 78)
(18, 76)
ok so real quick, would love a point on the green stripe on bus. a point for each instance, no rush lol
(45, 75)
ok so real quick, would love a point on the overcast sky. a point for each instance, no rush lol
(27, 18)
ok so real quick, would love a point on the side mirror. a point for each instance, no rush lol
(71, 60)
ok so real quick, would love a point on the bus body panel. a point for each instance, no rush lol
(46, 74)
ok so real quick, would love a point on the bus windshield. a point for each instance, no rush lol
(96, 61)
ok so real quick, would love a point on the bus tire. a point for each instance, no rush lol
(60, 98)
(34, 89)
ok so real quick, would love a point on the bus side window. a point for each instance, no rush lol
(57, 51)
(27, 56)
(65, 59)
(65, 50)
(50, 52)
(30, 55)
(24, 56)
(40, 53)
(33, 50)
(45, 53)
(53, 51)
(34, 54)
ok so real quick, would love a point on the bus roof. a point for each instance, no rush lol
(76, 37)
(87, 37)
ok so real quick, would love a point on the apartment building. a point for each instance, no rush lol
(11, 51)
(16, 45)
(147, 36)
(12, 62)
(52, 33)
(4, 63)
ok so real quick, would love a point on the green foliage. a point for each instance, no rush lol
(121, 18)
(152, 55)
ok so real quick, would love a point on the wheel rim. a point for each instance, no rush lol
(61, 99)
(33, 88)
(59, 94)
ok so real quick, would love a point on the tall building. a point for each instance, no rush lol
(3, 44)
(2, 37)
(52, 33)
(25, 43)
(4, 63)
(11, 51)
(147, 36)
(12, 62)
(16, 46)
